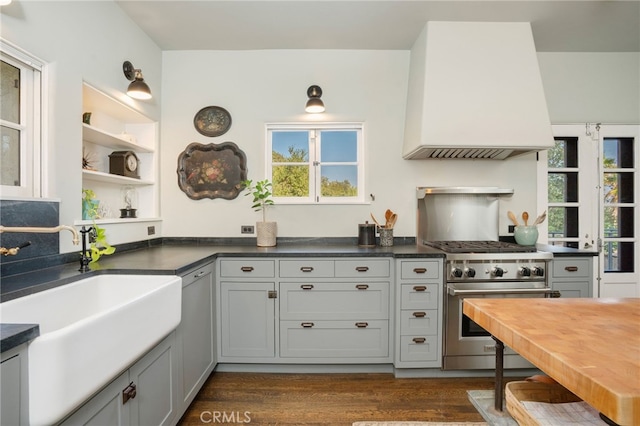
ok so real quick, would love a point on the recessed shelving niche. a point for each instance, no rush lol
(115, 126)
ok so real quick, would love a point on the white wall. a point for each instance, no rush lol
(80, 41)
(258, 87)
(592, 87)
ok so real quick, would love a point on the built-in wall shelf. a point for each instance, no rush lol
(115, 126)
(100, 137)
(116, 220)
(96, 176)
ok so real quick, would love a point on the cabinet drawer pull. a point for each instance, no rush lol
(362, 286)
(128, 393)
(246, 268)
(419, 287)
(420, 270)
(306, 324)
(419, 314)
(362, 324)
(419, 340)
(306, 268)
(571, 268)
(362, 268)
(306, 286)
(199, 274)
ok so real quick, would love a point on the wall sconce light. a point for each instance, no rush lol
(314, 104)
(138, 89)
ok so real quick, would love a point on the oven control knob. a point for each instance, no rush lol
(525, 271)
(538, 271)
(471, 272)
(456, 272)
(497, 271)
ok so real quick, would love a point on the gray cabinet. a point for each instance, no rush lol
(419, 316)
(572, 276)
(142, 395)
(14, 395)
(195, 335)
(247, 310)
(305, 310)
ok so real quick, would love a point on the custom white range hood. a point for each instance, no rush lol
(475, 91)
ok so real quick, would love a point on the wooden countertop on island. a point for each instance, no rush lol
(590, 346)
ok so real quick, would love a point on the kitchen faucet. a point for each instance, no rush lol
(76, 240)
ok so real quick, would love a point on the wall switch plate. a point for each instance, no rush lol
(246, 229)
(151, 230)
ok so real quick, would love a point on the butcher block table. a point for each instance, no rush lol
(590, 346)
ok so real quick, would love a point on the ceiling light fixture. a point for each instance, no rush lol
(314, 104)
(138, 89)
(5, 2)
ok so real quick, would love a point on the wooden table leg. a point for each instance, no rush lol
(499, 386)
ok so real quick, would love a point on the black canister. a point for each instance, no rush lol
(367, 235)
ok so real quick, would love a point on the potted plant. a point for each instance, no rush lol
(266, 232)
(97, 236)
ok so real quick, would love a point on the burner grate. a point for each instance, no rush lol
(480, 247)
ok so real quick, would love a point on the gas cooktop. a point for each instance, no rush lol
(479, 247)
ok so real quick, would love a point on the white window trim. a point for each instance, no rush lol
(359, 199)
(33, 109)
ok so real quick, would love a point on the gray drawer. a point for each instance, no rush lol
(571, 268)
(420, 269)
(379, 268)
(301, 268)
(418, 348)
(419, 296)
(247, 268)
(416, 321)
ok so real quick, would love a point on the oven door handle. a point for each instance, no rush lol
(456, 292)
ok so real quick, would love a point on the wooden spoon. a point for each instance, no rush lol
(375, 221)
(540, 218)
(512, 217)
(392, 221)
(387, 215)
(525, 217)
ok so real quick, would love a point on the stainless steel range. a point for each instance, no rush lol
(477, 265)
(485, 269)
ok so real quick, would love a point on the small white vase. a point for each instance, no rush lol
(266, 233)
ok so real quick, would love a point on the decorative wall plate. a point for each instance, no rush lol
(212, 121)
(212, 171)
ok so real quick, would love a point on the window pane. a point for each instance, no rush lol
(618, 153)
(290, 147)
(10, 87)
(564, 154)
(563, 222)
(290, 181)
(10, 156)
(339, 146)
(563, 187)
(339, 181)
(618, 187)
(618, 222)
(618, 256)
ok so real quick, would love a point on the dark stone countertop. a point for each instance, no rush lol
(12, 335)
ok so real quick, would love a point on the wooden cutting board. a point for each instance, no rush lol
(590, 346)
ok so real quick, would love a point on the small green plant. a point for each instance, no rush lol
(99, 245)
(262, 192)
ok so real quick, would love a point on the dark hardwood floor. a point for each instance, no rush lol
(331, 399)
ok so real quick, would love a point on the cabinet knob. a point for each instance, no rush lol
(362, 286)
(246, 268)
(362, 268)
(419, 314)
(362, 324)
(420, 270)
(307, 324)
(306, 268)
(571, 268)
(419, 288)
(419, 340)
(306, 286)
(129, 393)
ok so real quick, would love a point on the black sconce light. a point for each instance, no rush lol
(138, 89)
(314, 104)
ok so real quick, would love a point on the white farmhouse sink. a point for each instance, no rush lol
(90, 331)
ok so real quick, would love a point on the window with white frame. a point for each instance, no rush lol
(316, 162)
(20, 122)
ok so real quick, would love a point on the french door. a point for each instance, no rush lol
(590, 184)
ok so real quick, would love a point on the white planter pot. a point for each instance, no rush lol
(266, 233)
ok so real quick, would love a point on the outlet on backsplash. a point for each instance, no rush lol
(151, 230)
(246, 229)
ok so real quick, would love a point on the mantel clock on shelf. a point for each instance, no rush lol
(124, 163)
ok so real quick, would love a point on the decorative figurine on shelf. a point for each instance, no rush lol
(130, 200)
